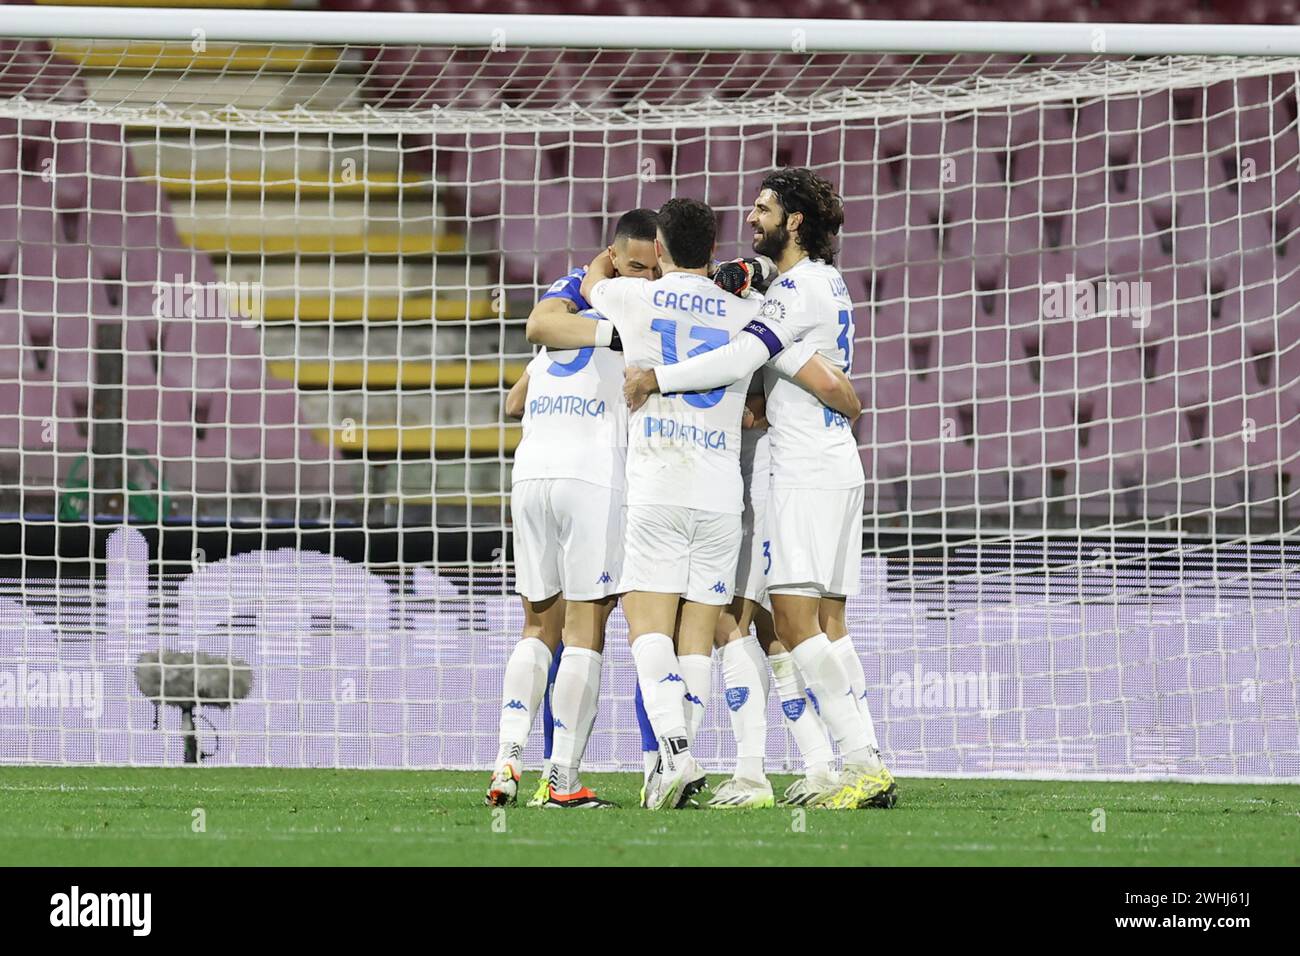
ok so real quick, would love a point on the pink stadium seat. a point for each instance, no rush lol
(963, 370)
(10, 210)
(910, 432)
(541, 244)
(616, 172)
(1050, 436)
(26, 214)
(1115, 122)
(945, 169)
(38, 416)
(588, 159)
(991, 239)
(10, 147)
(1117, 238)
(1247, 163)
(1254, 106)
(662, 80)
(934, 294)
(90, 165)
(483, 173)
(1176, 177)
(826, 148)
(231, 440)
(88, 247)
(1199, 237)
(990, 424)
(404, 76)
(724, 171)
(1125, 424)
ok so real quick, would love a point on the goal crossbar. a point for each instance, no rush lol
(846, 70)
(705, 33)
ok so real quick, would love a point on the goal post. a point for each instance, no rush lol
(265, 276)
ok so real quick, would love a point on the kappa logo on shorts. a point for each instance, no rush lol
(692, 699)
(736, 697)
(604, 578)
(558, 724)
(794, 708)
(720, 588)
(516, 705)
(672, 677)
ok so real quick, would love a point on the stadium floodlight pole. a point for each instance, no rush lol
(757, 34)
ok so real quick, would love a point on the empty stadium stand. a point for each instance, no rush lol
(377, 343)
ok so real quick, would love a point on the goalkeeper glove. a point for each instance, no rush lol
(740, 275)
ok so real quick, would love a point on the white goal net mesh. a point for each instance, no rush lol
(260, 304)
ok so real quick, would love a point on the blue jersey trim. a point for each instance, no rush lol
(569, 289)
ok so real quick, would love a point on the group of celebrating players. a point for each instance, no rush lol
(657, 468)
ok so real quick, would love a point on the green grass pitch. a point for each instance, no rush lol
(124, 816)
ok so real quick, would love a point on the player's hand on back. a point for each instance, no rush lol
(638, 385)
(733, 277)
(740, 275)
(602, 267)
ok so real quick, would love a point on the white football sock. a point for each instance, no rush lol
(590, 704)
(852, 664)
(649, 760)
(803, 722)
(521, 695)
(573, 704)
(660, 676)
(829, 682)
(697, 669)
(744, 675)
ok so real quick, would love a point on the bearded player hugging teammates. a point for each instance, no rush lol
(705, 502)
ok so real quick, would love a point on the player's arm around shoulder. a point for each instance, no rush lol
(826, 380)
(757, 342)
(600, 269)
(556, 324)
(614, 297)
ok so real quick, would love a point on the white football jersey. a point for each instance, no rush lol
(756, 461)
(812, 445)
(755, 453)
(575, 419)
(683, 449)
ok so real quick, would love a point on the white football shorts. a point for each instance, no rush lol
(815, 541)
(674, 550)
(568, 538)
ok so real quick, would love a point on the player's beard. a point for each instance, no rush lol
(773, 242)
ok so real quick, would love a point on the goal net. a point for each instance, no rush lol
(263, 283)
